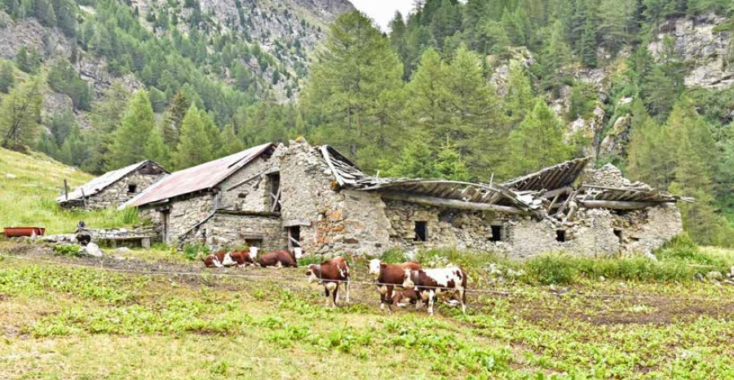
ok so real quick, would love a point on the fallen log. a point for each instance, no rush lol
(619, 205)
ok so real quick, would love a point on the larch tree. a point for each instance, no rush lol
(20, 114)
(7, 78)
(194, 147)
(354, 91)
(130, 139)
(536, 143)
(156, 149)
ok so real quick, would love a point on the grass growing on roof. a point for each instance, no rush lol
(29, 185)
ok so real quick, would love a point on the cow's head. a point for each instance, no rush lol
(375, 268)
(407, 280)
(298, 253)
(253, 252)
(313, 273)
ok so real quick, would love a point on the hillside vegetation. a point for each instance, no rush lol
(29, 185)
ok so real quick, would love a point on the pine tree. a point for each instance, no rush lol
(477, 125)
(74, 151)
(415, 161)
(555, 58)
(7, 78)
(213, 133)
(20, 113)
(449, 164)
(106, 117)
(354, 92)
(44, 12)
(231, 143)
(180, 104)
(130, 139)
(659, 93)
(156, 150)
(23, 61)
(613, 16)
(536, 143)
(429, 95)
(519, 99)
(649, 159)
(194, 147)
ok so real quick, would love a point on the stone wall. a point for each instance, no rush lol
(183, 214)
(234, 229)
(117, 193)
(330, 221)
(470, 230)
(646, 230)
(252, 196)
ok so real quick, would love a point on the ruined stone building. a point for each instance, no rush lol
(114, 188)
(314, 197)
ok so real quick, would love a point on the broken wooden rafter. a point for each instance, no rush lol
(620, 205)
(448, 203)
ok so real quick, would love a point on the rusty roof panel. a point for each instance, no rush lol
(102, 182)
(551, 178)
(198, 178)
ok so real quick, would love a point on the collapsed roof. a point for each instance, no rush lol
(102, 182)
(202, 177)
(529, 193)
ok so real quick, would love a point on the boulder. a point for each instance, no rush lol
(91, 249)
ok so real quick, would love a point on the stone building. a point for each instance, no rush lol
(315, 198)
(114, 188)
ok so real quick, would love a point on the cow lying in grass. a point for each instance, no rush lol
(429, 283)
(331, 274)
(387, 276)
(229, 259)
(282, 258)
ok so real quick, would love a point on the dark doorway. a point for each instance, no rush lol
(274, 189)
(496, 234)
(561, 236)
(421, 231)
(294, 237)
(132, 188)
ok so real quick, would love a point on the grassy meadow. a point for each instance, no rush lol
(61, 322)
(29, 185)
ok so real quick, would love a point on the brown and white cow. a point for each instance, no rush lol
(230, 259)
(387, 276)
(429, 283)
(405, 297)
(330, 273)
(283, 258)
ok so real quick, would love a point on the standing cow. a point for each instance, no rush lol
(429, 283)
(282, 258)
(387, 276)
(330, 273)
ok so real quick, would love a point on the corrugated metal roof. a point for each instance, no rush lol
(348, 175)
(550, 178)
(102, 182)
(197, 178)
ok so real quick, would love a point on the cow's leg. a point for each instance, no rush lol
(431, 297)
(462, 297)
(336, 295)
(346, 285)
(331, 287)
(389, 296)
(326, 293)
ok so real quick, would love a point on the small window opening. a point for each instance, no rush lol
(421, 231)
(294, 237)
(132, 188)
(496, 234)
(254, 243)
(561, 236)
(618, 234)
(274, 189)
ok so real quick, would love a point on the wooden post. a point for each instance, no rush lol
(66, 190)
(449, 203)
(84, 199)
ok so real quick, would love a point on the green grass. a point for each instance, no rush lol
(29, 185)
(62, 322)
